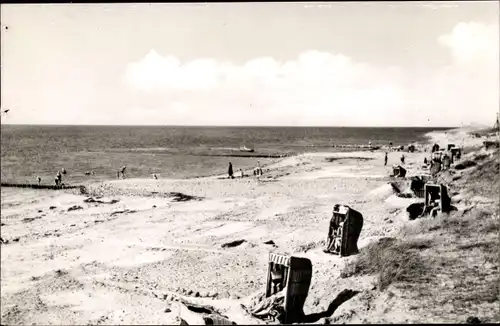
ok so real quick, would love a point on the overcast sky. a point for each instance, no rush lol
(309, 64)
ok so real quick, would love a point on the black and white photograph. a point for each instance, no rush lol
(250, 163)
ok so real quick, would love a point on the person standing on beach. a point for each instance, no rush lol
(230, 171)
(39, 179)
(403, 159)
(122, 171)
(59, 177)
(385, 159)
(241, 173)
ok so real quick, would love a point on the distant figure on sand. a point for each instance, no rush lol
(241, 173)
(258, 170)
(59, 176)
(425, 160)
(56, 180)
(385, 159)
(122, 172)
(39, 179)
(230, 171)
(155, 176)
(403, 159)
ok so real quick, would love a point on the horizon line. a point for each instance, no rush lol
(220, 126)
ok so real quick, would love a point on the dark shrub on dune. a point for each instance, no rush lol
(415, 210)
(465, 164)
(480, 157)
(392, 260)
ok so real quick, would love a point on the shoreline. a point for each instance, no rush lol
(430, 135)
(140, 168)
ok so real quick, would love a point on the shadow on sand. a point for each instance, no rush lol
(343, 296)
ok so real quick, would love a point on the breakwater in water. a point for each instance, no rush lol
(40, 186)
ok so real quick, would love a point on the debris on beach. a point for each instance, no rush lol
(74, 208)
(122, 212)
(177, 196)
(332, 159)
(101, 201)
(233, 243)
(197, 314)
(30, 219)
(270, 308)
(60, 272)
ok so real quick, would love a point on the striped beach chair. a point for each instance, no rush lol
(293, 275)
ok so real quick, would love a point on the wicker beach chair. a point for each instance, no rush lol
(398, 171)
(436, 199)
(293, 276)
(455, 154)
(343, 233)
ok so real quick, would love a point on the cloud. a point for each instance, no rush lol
(155, 72)
(320, 88)
(467, 88)
(473, 44)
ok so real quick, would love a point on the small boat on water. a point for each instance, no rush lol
(246, 149)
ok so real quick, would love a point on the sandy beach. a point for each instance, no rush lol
(125, 257)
